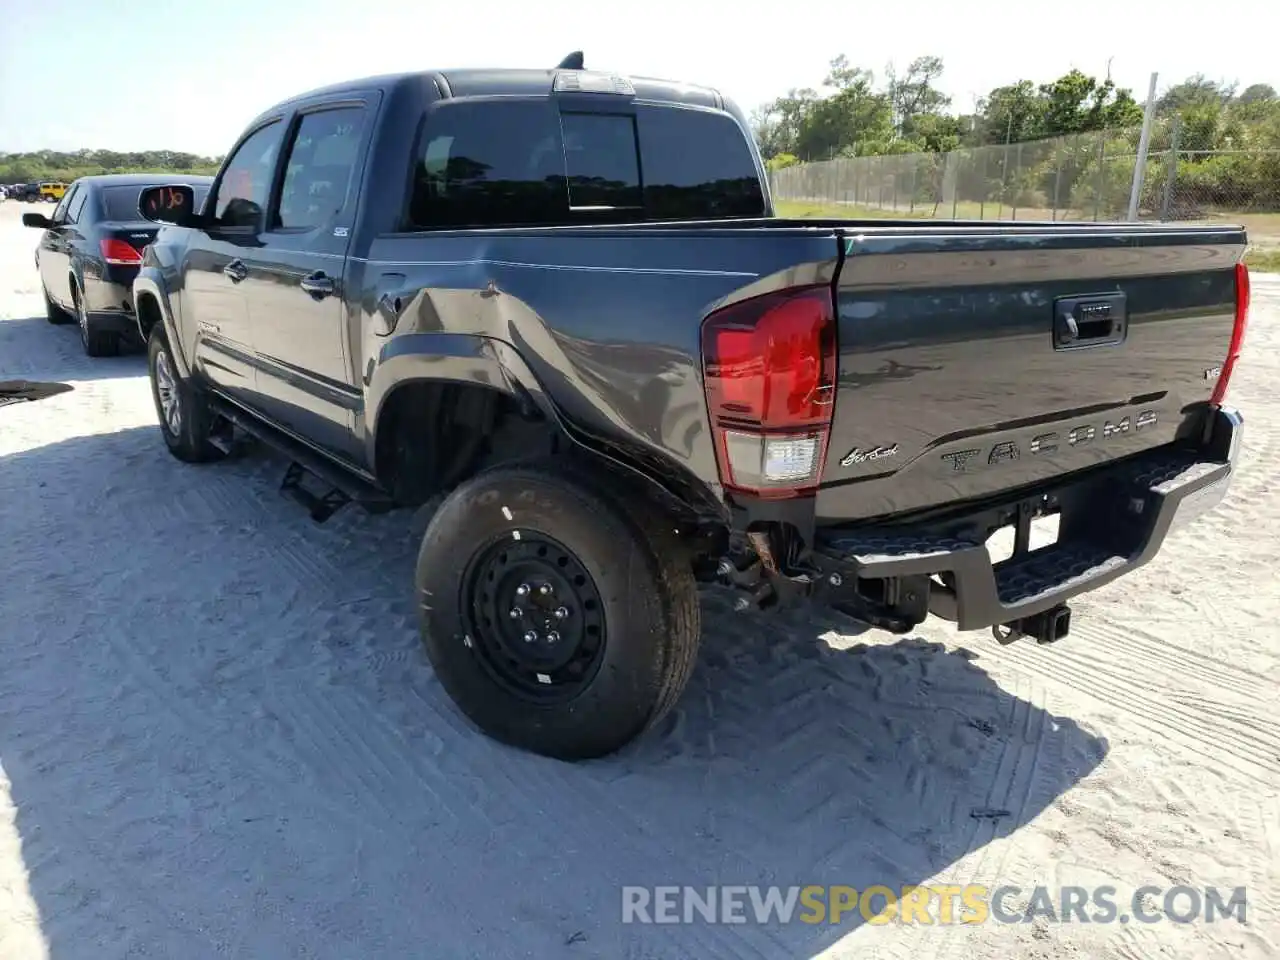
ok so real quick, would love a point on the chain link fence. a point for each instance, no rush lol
(1086, 176)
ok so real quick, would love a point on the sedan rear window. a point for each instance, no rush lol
(121, 202)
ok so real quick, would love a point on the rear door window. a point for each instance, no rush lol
(322, 159)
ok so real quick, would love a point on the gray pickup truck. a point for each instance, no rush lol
(559, 300)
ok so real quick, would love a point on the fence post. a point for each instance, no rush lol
(1144, 142)
(1057, 184)
(1102, 159)
(1171, 167)
(982, 201)
(1004, 182)
(955, 181)
(1017, 172)
(912, 202)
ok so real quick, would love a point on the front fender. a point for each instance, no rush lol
(149, 283)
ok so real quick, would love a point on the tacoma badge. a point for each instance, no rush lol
(858, 455)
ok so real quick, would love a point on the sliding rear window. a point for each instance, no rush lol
(524, 163)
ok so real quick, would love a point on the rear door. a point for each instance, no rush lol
(295, 289)
(215, 262)
(976, 360)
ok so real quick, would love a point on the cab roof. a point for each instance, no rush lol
(482, 82)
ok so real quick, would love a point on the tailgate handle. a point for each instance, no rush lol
(1089, 321)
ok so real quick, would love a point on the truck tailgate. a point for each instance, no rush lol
(977, 360)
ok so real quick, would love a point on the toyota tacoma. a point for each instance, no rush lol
(558, 302)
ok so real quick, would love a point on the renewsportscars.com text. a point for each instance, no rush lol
(936, 904)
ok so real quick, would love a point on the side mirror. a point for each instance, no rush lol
(168, 204)
(36, 220)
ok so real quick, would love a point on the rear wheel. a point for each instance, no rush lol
(557, 620)
(185, 417)
(97, 343)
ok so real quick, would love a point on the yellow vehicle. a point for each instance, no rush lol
(52, 190)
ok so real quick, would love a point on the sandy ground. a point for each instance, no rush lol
(219, 736)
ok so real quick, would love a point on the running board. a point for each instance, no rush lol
(341, 486)
(321, 506)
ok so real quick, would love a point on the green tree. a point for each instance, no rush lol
(1257, 93)
(1074, 103)
(68, 165)
(855, 113)
(914, 94)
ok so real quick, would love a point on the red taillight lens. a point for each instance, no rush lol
(1237, 335)
(120, 253)
(769, 365)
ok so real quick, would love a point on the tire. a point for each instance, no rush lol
(187, 435)
(96, 343)
(541, 524)
(52, 312)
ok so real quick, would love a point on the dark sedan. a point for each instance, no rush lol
(90, 253)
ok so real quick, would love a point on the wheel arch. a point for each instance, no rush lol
(433, 361)
(151, 306)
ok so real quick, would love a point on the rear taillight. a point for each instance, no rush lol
(769, 365)
(120, 253)
(1237, 335)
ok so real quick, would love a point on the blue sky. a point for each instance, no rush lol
(187, 75)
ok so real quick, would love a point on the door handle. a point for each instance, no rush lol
(236, 271)
(318, 284)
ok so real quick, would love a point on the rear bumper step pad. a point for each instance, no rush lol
(1111, 523)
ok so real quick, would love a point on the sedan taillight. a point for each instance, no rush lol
(119, 253)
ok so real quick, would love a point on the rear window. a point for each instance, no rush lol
(601, 161)
(697, 166)
(121, 202)
(521, 162)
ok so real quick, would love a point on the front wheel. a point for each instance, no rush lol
(185, 418)
(558, 620)
(52, 312)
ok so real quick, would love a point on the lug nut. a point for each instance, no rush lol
(530, 637)
(522, 590)
(516, 613)
(545, 589)
(553, 637)
(835, 579)
(562, 612)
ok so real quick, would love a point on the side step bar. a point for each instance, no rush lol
(343, 487)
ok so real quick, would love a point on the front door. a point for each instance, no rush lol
(306, 381)
(216, 264)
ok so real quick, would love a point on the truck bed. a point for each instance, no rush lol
(951, 385)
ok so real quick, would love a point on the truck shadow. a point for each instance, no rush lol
(221, 738)
(32, 348)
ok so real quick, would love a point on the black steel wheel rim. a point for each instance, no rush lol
(534, 617)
